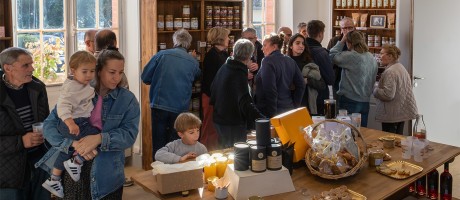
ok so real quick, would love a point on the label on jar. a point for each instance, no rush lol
(194, 23)
(344, 3)
(186, 10)
(208, 11)
(368, 3)
(208, 23)
(361, 4)
(338, 3)
(350, 3)
(378, 161)
(177, 23)
(161, 25)
(392, 3)
(355, 4)
(259, 165)
(274, 162)
(385, 3)
(186, 24)
(379, 4)
(373, 3)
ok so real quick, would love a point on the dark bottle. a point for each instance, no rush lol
(412, 187)
(433, 184)
(446, 184)
(420, 186)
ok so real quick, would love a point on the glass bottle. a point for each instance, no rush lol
(419, 128)
(446, 184)
(337, 21)
(420, 186)
(433, 184)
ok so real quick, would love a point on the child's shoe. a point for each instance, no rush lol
(73, 169)
(55, 187)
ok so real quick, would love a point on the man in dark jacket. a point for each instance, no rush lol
(257, 56)
(23, 101)
(233, 104)
(320, 55)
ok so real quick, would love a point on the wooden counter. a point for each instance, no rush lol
(367, 181)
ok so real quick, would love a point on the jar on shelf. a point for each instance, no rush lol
(209, 11)
(344, 3)
(384, 40)
(208, 23)
(349, 3)
(186, 11)
(186, 23)
(229, 12)
(169, 22)
(194, 23)
(368, 3)
(162, 46)
(370, 40)
(177, 23)
(385, 4)
(392, 3)
(373, 3)
(377, 41)
(223, 11)
(236, 11)
(338, 4)
(161, 23)
(230, 23)
(362, 4)
(236, 23)
(391, 41)
(355, 4)
(216, 11)
(224, 22)
(337, 33)
(216, 22)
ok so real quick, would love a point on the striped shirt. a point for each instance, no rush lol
(23, 106)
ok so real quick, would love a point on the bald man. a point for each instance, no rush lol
(89, 40)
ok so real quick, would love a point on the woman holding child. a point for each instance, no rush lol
(116, 111)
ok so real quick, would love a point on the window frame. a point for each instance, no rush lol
(69, 28)
(248, 20)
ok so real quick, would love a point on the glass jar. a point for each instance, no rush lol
(162, 46)
(377, 41)
(379, 3)
(338, 4)
(186, 11)
(186, 23)
(194, 23)
(230, 12)
(161, 23)
(169, 23)
(375, 157)
(230, 23)
(392, 3)
(370, 40)
(177, 23)
(216, 22)
(208, 23)
(236, 11)
(236, 23)
(216, 11)
(223, 11)
(208, 11)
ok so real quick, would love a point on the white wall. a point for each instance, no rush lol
(436, 58)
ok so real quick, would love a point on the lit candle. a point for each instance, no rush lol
(221, 166)
(210, 169)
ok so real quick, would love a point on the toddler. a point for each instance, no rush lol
(187, 126)
(74, 108)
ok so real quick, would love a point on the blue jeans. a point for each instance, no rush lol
(85, 129)
(230, 134)
(32, 190)
(162, 129)
(355, 107)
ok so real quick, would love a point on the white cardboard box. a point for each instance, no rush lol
(244, 184)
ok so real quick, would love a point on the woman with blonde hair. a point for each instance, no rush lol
(213, 60)
(359, 70)
(275, 79)
(395, 98)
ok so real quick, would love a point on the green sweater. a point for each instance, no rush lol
(358, 74)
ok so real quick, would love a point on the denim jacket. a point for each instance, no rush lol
(120, 125)
(170, 74)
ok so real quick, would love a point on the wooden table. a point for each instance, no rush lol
(367, 181)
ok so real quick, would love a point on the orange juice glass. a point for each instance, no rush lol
(210, 169)
(221, 166)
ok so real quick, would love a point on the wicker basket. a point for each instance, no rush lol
(362, 151)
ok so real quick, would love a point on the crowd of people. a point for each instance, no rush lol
(80, 154)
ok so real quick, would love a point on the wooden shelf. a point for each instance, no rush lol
(173, 31)
(365, 9)
(6, 38)
(369, 28)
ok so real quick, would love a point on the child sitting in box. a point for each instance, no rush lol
(187, 126)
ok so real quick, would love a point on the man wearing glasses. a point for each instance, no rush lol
(251, 35)
(346, 25)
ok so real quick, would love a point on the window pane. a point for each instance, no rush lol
(105, 13)
(86, 14)
(28, 14)
(28, 40)
(258, 31)
(81, 40)
(257, 11)
(54, 45)
(53, 14)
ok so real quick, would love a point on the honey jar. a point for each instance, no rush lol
(236, 23)
(223, 11)
(177, 23)
(169, 23)
(194, 23)
(186, 11)
(216, 11)
(208, 23)
(186, 23)
(230, 12)
(216, 22)
(208, 11)
(161, 23)
(236, 11)
(375, 157)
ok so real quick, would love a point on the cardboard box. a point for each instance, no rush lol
(179, 181)
(289, 127)
(244, 184)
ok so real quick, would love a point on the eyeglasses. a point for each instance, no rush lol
(347, 28)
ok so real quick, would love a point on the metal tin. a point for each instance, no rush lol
(362, 4)
(186, 11)
(161, 22)
(177, 23)
(392, 3)
(258, 159)
(169, 22)
(230, 23)
(230, 12)
(194, 24)
(379, 4)
(186, 23)
(373, 3)
(223, 11)
(224, 22)
(236, 11)
(241, 162)
(274, 159)
(368, 3)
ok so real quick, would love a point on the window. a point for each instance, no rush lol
(52, 34)
(261, 17)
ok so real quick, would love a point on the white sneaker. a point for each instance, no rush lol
(73, 169)
(55, 187)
